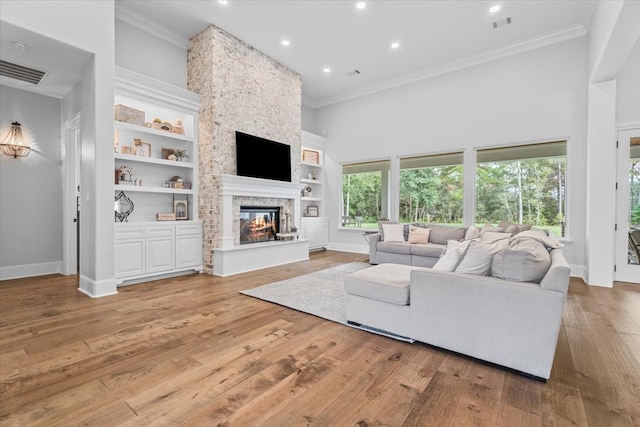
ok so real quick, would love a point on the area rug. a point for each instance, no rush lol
(321, 293)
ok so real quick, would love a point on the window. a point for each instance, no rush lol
(523, 184)
(365, 193)
(431, 189)
(634, 183)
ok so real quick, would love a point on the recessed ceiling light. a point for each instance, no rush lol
(395, 45)
(223, 2)
(326, 70)
(494, 9)
(361, 5)
(285, 42)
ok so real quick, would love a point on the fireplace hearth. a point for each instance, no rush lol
(258, 224)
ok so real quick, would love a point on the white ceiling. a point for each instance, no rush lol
(435, 36)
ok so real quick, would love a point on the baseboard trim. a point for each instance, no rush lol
(579, 271)
(30, 270)
(99, 288)
(344, 247)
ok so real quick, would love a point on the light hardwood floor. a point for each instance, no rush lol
(192, 351)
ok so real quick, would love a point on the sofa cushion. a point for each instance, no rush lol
(472, 233)
(488, 227)
(394, 247)
(418, 235)
(494, 236)
(525, 260)
(432, 250)
(479, 257)
(442, 233)
(384, 282)
(392, 232)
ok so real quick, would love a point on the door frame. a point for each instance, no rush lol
(70, 182)
(624, 272)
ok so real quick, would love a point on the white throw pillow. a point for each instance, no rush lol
(450, 260)
(479, 256)
(419, 235)
(393, 232)
(472, 233)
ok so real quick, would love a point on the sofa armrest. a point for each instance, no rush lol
(373, 248)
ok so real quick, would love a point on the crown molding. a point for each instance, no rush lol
(569, 33)
(142, 22)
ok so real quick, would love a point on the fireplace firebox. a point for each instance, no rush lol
(258, 223)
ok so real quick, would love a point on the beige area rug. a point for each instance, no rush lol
(321, 293)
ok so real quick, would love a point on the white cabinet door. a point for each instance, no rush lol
(160, 254)
(316, 230)
(188, 251)
(130, 257)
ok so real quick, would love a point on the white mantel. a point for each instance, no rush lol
(232, 259)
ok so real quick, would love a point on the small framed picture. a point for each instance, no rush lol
(312, 210)
(180, 209)
(141, 148)
(125, 149)
(311, 156)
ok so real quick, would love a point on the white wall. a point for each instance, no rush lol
(534, 96)
(31, 188)
(308, 119)
(88, 25)
(628, 89)
(144, 53)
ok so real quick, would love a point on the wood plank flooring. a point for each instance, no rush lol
(192, 351)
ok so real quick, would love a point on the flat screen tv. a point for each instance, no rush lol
(262, 158)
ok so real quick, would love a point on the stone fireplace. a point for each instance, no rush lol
(259, 224)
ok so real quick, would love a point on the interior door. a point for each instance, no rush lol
(628, 206)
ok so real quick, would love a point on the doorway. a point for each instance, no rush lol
(628, 207)
(71, 196)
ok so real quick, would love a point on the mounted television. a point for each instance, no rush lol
(261, 158)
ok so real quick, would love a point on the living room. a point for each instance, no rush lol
(559, 90)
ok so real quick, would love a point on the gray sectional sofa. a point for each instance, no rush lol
(420, 255)
(510, 323)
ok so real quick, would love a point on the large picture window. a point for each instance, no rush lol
(431, 189)
(523, 184)
(365, 193)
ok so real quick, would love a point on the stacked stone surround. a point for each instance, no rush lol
(243, 90)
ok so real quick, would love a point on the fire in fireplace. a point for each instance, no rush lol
(258, 223)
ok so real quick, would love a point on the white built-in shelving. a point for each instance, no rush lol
(314, 225)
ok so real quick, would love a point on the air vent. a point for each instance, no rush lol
(501, 23)
(353, 73)
(20, 72)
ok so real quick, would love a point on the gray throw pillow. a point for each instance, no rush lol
(441, 234)
(525, 260)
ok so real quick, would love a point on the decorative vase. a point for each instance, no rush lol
(125, 177)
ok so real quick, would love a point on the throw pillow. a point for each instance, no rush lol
(419, 235)
(450, 260)
(392, 232)
(494, 236)
(488, 227)
(525, 260)
(381, 230)
(441, 234)
(472, 233)
(479, 256)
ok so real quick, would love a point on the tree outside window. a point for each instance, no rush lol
(365, 193)
(432, 189)
(524, 184)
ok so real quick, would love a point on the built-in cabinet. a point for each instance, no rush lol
(314, 225)
(157, 231)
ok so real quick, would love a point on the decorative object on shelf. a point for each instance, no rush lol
(161, 125)
(147, 124)
(307, 191)
(138, 182)
(178, 127)
(166, 216)
(126, 114)
(14, 144)
(294, 229)
(311, 175)
(141, 148)
(312, 210)
(175, 154)
(125, 149)
(180, 209)
(125, 174)
(177, 182)
(311, 156)
(123, 207)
